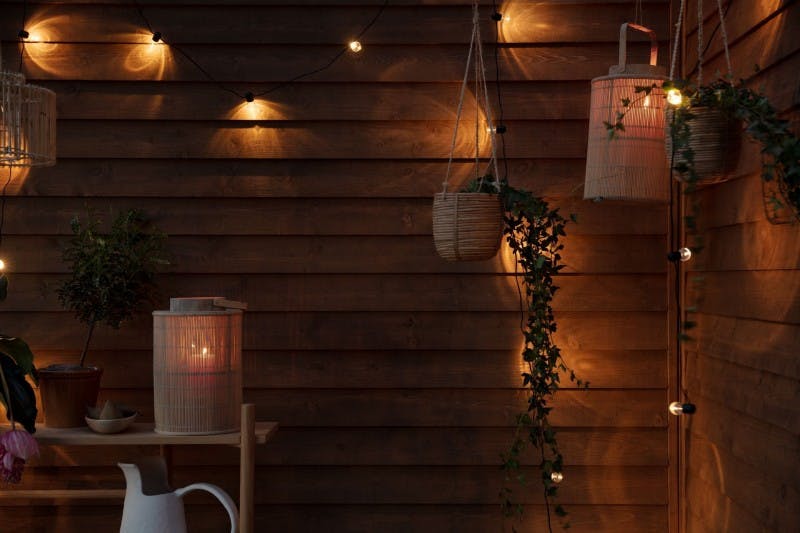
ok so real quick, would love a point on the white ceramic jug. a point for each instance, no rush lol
(152, 507)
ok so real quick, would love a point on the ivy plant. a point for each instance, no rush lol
(533, 231)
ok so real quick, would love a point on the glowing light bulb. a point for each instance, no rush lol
(507, 18)
(355, 46)
(674, 97)
(678, 408)
(557, 477)
(682, 255)
(2, 265)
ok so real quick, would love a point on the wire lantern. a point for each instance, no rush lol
(631, 165)
(197, 366)
(27, 122)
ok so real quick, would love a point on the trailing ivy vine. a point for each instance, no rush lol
(533, 231)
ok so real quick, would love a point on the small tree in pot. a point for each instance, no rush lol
(111, 276)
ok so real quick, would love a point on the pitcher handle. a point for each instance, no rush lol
(221, 495)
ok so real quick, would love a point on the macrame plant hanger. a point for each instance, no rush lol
(468, 226)
(715, 138)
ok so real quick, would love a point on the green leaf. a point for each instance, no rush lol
(19, 351)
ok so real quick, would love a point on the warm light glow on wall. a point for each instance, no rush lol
(150, 60)
(258, 109)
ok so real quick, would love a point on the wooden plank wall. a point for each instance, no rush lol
(394, 374)
(742, 371)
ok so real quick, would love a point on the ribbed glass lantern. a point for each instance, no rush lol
(27, 122)
(630, 166)
(197, 366)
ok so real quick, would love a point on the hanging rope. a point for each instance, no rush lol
(676, 41)
(481, 89)
(700, 38)
(700, 24)
(724, 37)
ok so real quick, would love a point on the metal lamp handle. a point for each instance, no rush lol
(623, 44)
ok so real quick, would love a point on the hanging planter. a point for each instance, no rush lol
(467, 226)
(627, 162)
(714, 138)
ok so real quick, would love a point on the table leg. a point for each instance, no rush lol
(247, 465)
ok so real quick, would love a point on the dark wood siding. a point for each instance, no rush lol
(394, 374)
(741, 369)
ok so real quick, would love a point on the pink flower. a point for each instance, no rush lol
(16, 447)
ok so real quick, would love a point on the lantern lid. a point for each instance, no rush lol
(203, 305)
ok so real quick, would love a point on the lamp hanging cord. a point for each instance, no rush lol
(20, 35)
(3, 205)
(500, 110)
(278, 85)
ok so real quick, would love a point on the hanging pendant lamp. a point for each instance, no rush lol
(631, 165)
(27, 122)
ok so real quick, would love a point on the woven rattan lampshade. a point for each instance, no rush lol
(27, 123)
(197, 366)
(630, 166)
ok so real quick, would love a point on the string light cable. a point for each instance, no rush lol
(354, 46)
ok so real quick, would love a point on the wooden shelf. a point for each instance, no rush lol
(141, 434)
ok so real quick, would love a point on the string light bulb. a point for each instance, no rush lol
(678, 408)
(23, 34)
(674, 97)
(2, 265)
(682, 255)
(497, 17)
(355, 46)
(557, 477)
(249, 97)
(156, 36)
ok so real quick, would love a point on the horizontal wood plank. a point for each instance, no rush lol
(269, 63)
(389, 446)
(376, 292)
(434, 407)
(368, 101)
(641, 369)
(375, 216)
(354, 518)
(769, 295)
(315, 140)
(290, 24)
(243, 178)
(376, 485)
(350, 255)
(371, 331)
(771, 347)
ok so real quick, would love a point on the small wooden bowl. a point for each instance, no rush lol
(114, 425)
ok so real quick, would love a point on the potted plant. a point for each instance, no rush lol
(533, 230)
(111, 275)
(16, 394)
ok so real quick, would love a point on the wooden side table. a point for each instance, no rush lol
(142, 434)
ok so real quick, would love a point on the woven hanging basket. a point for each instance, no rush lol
(715, 139)
(630, 166)
(467, 226)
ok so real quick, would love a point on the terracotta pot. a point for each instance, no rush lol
(66, 392)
